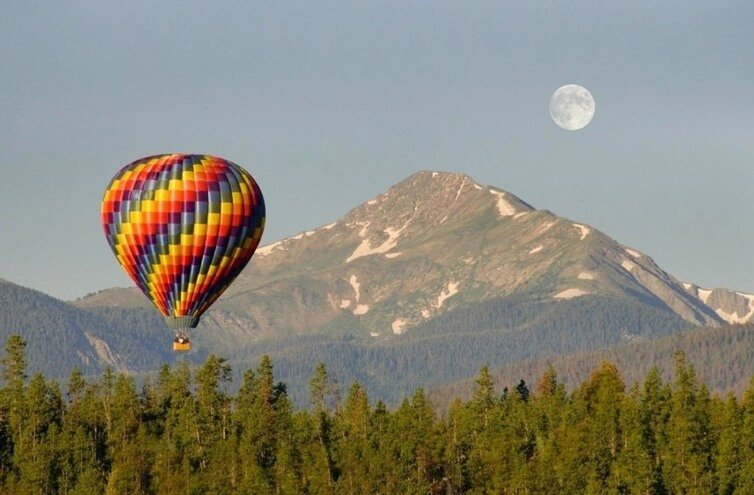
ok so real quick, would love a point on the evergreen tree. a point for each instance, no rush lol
(729, 450)
(129, 444)
(321, 389)
(746, 473)
(35, 455)
(687, 459)
(353, 442)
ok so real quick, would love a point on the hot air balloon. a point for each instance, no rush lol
(183, 227)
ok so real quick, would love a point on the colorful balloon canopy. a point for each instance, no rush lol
(183, 227)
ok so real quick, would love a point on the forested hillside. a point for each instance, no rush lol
(183, 432)
(457, 344)
(62, 337)
(722, 356)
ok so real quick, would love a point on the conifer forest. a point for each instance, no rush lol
(182, 431)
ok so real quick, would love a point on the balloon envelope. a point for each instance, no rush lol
(183, 227)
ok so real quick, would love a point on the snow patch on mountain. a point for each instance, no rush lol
(361, 309)
(330, 225)
(345, 303)
(536, 249)
(546, 226)
(628, 265)
(458, 193)
(354, 281)
(451, 291)
(570, 294)
(635, 254)
(584, 230)
(399, 326)
(392, 255)
(586, 276)
(265, 250)
(503, 207)
(704, 294)
(366, 249)
(750, 297)
(364, 228)
(519, 215)
(281, 245)
(733, 317)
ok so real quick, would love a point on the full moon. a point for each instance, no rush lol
(572, 107)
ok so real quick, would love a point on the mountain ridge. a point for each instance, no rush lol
(425, 213)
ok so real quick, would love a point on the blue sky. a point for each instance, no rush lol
(328, 104)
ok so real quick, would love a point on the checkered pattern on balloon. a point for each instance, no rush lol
(183, 227)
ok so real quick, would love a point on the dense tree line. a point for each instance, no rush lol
(722, 356)
(183, 431)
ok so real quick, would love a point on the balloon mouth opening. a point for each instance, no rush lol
(179, 322)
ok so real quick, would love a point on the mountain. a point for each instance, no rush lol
(434, 242)
(428, 281)
(61, 336)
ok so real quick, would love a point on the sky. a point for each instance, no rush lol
(329, 104)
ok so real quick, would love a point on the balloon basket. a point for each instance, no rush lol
(181, 343)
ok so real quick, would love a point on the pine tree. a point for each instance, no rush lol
(687, 459)
(37, 445)
(172, 461)
(729, 451)
(256, 416)
(78, 450)
(213, 426)
(129, 443)
(353, 446)
(14, 375)
(548, 407)
(320, 387)
(416, 447)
